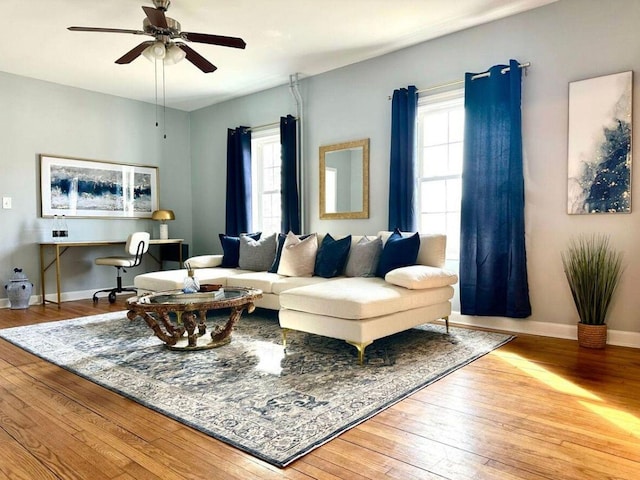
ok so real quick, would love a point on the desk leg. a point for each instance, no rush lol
(58, 272)
(42, 288)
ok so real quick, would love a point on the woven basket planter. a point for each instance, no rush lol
(592, 336)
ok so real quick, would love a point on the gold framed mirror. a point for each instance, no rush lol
(344, 180)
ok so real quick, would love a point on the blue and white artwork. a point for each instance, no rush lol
(599, 151)
(88, 188)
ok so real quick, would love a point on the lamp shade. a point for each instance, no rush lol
(163, 215)
(174, 55)
(155, 51)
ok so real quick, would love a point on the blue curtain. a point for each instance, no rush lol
(402, 165)
(289, 175)
(238, 209)
(493, 263)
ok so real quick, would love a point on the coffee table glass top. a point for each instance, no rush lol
(179, 297)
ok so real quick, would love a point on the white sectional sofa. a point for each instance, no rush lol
(358, 310)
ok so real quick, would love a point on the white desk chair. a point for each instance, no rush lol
(137, 245)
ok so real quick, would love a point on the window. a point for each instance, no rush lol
(265, 180)
(440, 141)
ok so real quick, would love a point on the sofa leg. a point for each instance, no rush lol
(446, 322)
(284, 337)
(360, 347)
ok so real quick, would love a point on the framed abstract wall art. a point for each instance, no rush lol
(599, 150)
(88, 188)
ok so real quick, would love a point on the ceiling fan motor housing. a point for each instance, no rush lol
(172, 30)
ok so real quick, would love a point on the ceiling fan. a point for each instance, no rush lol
(165, 30)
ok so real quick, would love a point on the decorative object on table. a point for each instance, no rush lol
(191, 284)
(163, 216)
(599, 153)
(90, 188)
(593, 270)
(59, 229)
(210, 287)
(19, 290)
(274, 404)
(136, 246)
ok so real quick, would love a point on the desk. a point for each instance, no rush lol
(61, 247)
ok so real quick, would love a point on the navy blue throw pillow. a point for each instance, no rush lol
(398, 252)
(231, 248)
(332, 256)
(276, 261)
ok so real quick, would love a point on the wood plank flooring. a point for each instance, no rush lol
(537, 408)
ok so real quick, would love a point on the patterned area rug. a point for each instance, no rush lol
(273, 404)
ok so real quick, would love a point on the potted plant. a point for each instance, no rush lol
(593, 270)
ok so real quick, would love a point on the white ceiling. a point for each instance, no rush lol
(283, 37)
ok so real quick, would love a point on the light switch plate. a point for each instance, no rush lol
(6, 202)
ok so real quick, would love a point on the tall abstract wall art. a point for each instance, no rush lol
(599, 153)
(86, 188)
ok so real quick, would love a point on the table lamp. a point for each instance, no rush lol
(163, 216)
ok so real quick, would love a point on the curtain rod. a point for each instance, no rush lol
(461, 82)
(266, 125)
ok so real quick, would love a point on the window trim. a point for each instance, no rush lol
(259, 138)
(434, 103)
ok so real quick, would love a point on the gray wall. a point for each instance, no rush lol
(39, 117)
(565, 41)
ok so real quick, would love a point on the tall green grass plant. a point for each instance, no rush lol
(593, 270)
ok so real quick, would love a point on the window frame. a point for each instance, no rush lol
(445, 101)
(260, 139)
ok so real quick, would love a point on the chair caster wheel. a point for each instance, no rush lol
(112, 297)
(95, 299)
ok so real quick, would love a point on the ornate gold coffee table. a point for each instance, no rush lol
(155, 309)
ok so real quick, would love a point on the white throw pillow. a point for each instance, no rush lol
(418, 277)
(298, 256)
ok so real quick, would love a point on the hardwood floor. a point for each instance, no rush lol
(537, 408)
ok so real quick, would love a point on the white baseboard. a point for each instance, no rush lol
(544, 329)
(64, 297)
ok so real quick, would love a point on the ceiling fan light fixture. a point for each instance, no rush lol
(154, 52)
(174, 55)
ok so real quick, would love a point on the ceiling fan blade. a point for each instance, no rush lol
(156, 17)
(134, 53)
(109, 30)
(198, 60)
(234, 42)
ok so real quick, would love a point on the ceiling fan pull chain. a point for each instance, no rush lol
(155, 79)
(164, 104)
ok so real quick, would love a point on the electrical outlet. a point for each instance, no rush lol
(6, 202)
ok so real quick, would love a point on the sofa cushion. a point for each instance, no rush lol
(364, 257)
(174, 279)
(332, 256)
(357, 298)
(260, 280)
(287, 283)
(420, 277)
(257, 255)
(398, 252)
(298, 256)
(231, 248)
(280, 243)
